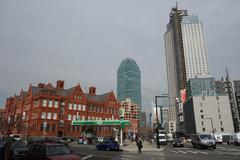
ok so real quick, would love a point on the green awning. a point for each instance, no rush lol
(101, 122)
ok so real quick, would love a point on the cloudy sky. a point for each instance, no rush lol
(85, 41)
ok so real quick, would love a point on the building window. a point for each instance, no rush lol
(204, 93)
(54, 116)
(201, 104)
(203, 129)
(68, 128)
(41, 127)
(218, 110)
(55, 104)
(79, 107)
(74, 117)
(202, 116)
(24, 115)
(73, 128)
(69, 117)
(83, 117)
(201, 111)
(62, 111)
(50, 103)
(219, 116)
(48, 127)
(221, 123)
(70, 106)
(49, 115)
(74, 106)
(202, 123)
(35, 103)
(44, 103)
(83, 107)
(43, 115)
(61, 122)
(222, 129)
(53, 127)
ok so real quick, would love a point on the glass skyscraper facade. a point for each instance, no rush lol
(129, 81)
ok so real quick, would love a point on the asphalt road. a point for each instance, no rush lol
(222, 152)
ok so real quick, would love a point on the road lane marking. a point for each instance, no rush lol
(89, 156)
(202, 152)
(182, 151)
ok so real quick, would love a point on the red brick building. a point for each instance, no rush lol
(45, 110)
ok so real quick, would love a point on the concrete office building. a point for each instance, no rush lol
(185, 52)
(206, 110)
(236, 86)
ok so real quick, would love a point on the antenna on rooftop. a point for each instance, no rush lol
(176, 5)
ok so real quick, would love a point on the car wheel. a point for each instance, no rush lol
(214, 147)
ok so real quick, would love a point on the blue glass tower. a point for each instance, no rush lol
(129, 81)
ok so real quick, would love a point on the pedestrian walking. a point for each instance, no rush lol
(139, 145)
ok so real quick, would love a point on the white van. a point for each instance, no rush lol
(162, 138)
(218, 138)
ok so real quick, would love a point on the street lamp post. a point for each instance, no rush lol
(157, 130)
(212, 125)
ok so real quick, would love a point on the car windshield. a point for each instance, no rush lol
(19, 145)
(115, 142)
(206, 136)
(57, 150)
(162, 137)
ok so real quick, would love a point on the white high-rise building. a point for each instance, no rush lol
(195, 54)
(186, 55)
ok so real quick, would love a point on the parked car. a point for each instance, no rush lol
(18, 150)
(178, 143)
(2, 144)
(203, 141)
(108, 145)
(232, 138)
(34, 141)
(108, 138)
(50, 151)
(65, 141)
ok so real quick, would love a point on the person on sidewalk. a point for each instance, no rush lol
(139, 145)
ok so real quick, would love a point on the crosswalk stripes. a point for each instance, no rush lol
(190, 151)
(202, 152)
(124, 157)
(181, 151)
(174, 151)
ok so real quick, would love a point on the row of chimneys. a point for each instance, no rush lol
(60, 85)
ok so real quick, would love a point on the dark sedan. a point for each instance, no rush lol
(178, 143)
(108, 145)
(50, 151)
(18, 150)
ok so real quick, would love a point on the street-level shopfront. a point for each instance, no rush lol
(101, 128)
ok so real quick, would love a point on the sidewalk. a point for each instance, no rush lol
(132, 147)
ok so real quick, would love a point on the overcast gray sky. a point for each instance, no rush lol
(85, 41)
